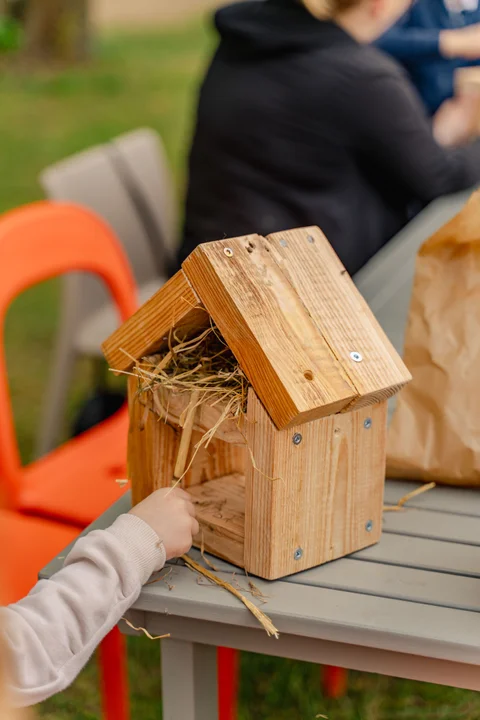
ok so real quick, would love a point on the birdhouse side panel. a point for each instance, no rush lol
(315, 492)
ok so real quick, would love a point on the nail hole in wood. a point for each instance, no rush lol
(308, 375)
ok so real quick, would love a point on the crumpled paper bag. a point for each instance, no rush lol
(435, 430)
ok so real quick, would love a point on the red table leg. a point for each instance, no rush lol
(228, 671)
(334, 682)
(114, 677)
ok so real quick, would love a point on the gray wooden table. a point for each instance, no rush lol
(408, 607)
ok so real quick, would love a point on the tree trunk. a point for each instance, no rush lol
(57, 30)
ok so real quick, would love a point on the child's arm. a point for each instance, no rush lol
(52, 632)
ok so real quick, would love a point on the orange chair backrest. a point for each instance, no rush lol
(38, 242)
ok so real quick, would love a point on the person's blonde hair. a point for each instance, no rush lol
(327, 9)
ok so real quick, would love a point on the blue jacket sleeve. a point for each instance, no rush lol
(406, 43)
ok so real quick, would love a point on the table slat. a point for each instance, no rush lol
(460, 501)
(424, 554)
(433, 525)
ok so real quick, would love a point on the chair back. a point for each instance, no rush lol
(126, 182)
(38, 242)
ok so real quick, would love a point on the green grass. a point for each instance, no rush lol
(150, 80)
(134, 81)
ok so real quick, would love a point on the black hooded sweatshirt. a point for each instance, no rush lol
(298, 124)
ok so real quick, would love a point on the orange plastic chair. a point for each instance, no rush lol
(75, 483)
(31, 543)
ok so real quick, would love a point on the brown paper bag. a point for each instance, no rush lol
(435, 430)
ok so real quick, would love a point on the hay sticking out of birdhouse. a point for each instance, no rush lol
(203, 364)
(203, 368)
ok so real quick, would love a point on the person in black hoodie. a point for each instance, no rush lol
(301, 122)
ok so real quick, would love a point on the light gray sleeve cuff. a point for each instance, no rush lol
(141, 543)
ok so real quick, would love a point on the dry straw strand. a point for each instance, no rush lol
(202, 553)
(409, 496)
(204, 368)
(145, 632)
(263, 619)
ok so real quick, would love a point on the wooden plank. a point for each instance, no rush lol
(174, 306)
(458, 501)
(218, 459)
(313, 650)
(397, 583)
(152, 445)
(292, 368)
(172, 407)
(220, 508)
(408, 552)
(433, 525)
(153, 449)
(322, 497)
(321, 613)
(340, 313)
(424, 554)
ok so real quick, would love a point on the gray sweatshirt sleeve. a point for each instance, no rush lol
(52, 632)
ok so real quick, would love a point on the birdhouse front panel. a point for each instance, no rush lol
(258, 380)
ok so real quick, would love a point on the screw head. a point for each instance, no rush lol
(369, 526)
(367, 424)
(297, 439)
(310, 239)
(298, 554)
(283, 243)
(228, 252)
(356, 357)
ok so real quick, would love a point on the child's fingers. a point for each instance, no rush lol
(180, 493)
(191, 508)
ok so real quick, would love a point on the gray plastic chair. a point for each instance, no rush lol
(128, 183)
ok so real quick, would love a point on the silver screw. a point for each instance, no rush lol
(356, 357)
(367, 423)
(298, 553)
(297, 439)
(369, 526)
(228, 252)
(283, 243)
(310, 239)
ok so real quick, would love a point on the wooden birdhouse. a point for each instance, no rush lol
(260, 379)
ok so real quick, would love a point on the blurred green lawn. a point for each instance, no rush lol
(150, 80)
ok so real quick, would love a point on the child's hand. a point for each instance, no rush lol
(171, 513)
